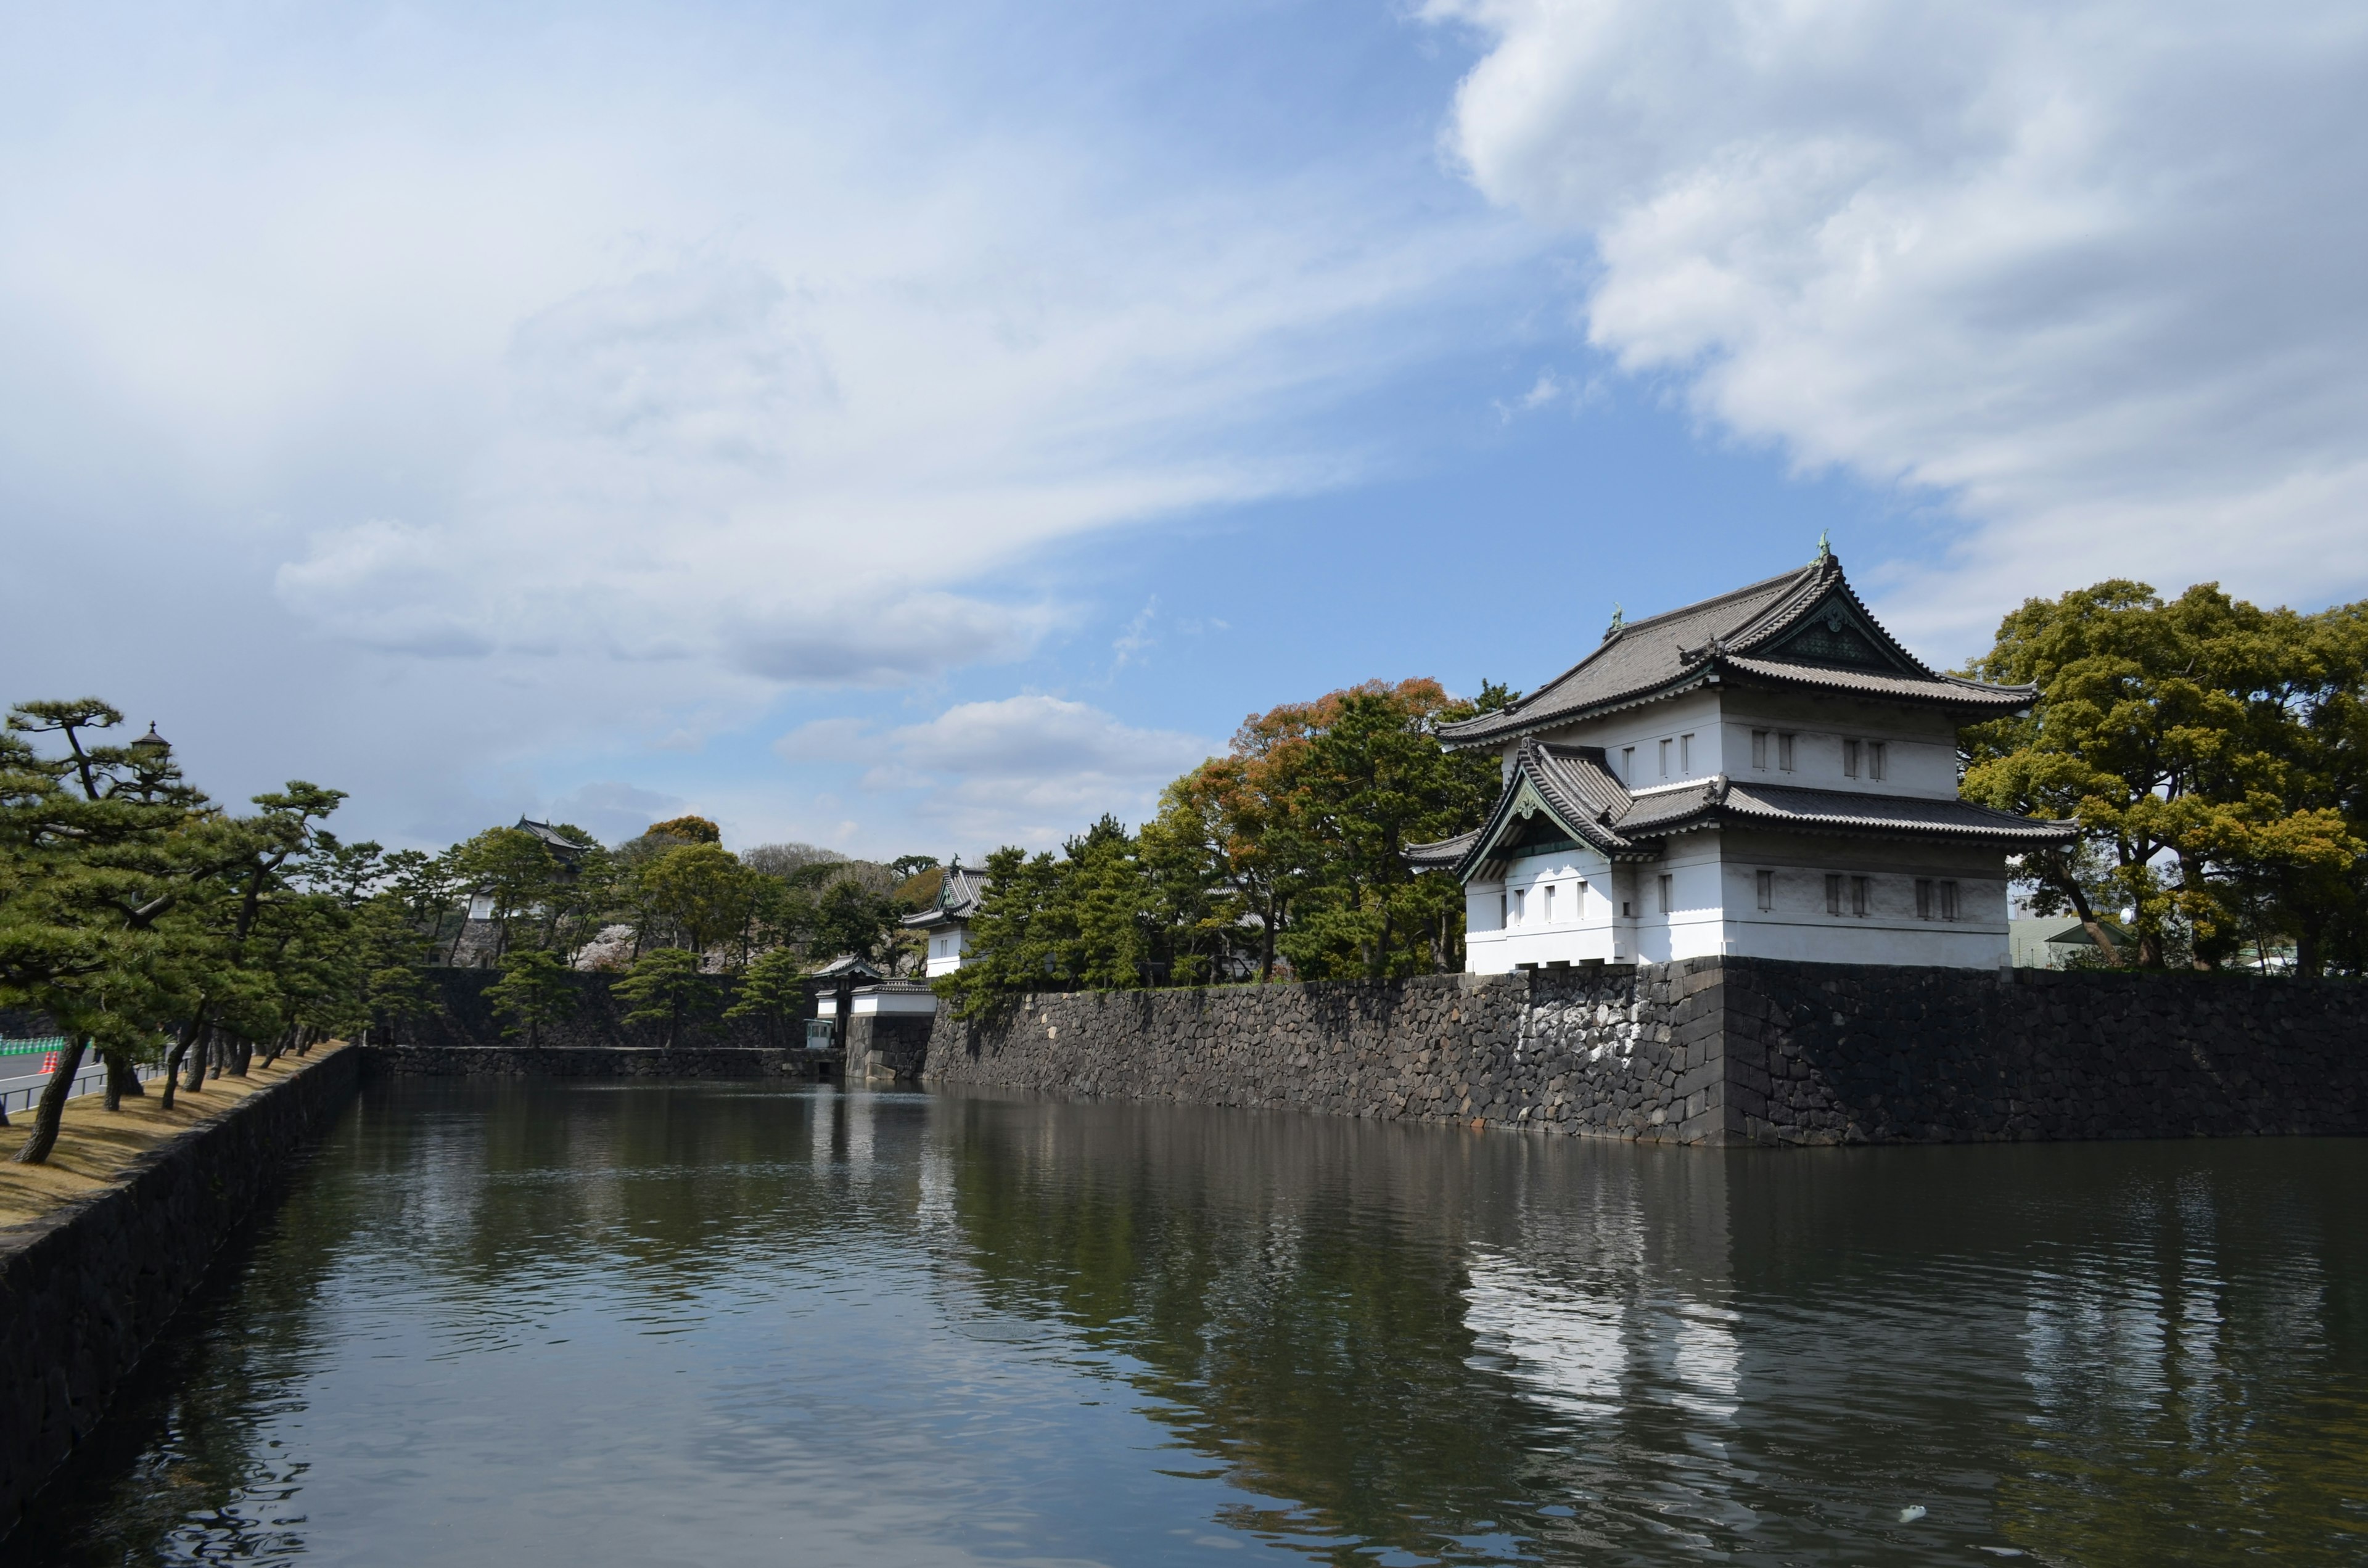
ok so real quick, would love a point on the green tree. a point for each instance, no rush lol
(2206, 747)
(850, 919)
(772, 991)
(663, 986)
(535, 989)
(512, 866)
(703, 892)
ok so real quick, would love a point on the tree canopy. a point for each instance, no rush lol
(1287, 851)
(2215, 755)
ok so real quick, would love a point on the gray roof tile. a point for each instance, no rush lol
(1591, 803)
(1731, 637)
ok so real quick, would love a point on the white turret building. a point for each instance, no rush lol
(1765, 774)
(947, 920)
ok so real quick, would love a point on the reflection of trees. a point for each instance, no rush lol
(176, 1462)
(1471, 1348)
(1497, 1347)
(2197, 1366)
(1289, 1288)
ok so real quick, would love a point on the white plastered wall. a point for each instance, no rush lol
(1801, 926)
(1547, 909)
(947, 945)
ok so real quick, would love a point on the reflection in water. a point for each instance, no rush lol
(720, 1324)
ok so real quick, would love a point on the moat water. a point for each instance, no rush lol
(583, 1324)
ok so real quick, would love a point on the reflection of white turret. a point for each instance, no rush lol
(948, 921)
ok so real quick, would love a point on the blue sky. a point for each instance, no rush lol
(921, 427)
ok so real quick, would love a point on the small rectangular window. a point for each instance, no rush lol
(1665, 759)
(1578, 899)
(1504, 911)
(1667, 901)
(1923, 898)
(1759, 748)
(1520, 898)
(1627, 909)
(1766, 890)
(1784, 751)
(1876, 754)
(1849, 759)
(1628, 764)
(1857, 896)
(1948, 901)
(1833, 895)
(1685, 757)
(1550, 904)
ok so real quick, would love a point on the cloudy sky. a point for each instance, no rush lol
(913, 426)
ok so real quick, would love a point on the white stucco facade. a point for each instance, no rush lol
(1683, 793)
(947, 946)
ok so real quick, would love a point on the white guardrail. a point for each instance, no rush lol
(89, 1079)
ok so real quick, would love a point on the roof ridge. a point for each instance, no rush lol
(1623, 633)
(1717, 599)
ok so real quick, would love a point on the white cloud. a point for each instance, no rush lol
(2087, 271)
(1028, 769)
(613, 810)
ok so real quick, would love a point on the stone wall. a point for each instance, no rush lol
(1627, 1052)
(1717, 1051)
(596, 1061)
(1825, 1053)
(459, 1015)
(85, 1289)
(888, 1045)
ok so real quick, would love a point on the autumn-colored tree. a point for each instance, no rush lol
(688, 829)
(1290, 847)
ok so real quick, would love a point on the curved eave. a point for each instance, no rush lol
(2006, 831)
(1943, 691)
(1684, 682)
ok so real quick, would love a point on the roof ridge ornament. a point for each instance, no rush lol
(1619, 623)
(1825, 549)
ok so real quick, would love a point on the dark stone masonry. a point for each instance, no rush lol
(86, 1288)
(594, 1061)
(1717, 1051)
(459, 1014)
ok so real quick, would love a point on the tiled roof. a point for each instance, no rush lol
(1953, 689)
(958, 894)
(552, 838)
(1849, 811)
(1592, 807)
(1733, 637)
(1443, 854)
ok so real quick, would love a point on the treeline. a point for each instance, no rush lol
(663, 910)
(153, 925)
(675, 885)
(2215, 755)
(1284, 855)
(149, 922)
